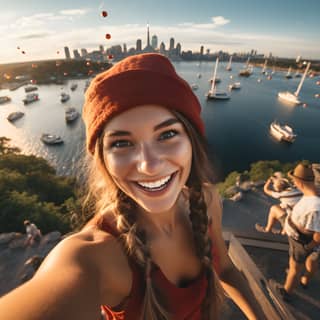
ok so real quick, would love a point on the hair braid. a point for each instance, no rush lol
(199, 220)
(134, 241)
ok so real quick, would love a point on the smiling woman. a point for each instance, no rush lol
(154, 247)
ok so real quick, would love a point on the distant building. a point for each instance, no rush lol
(67, 53)
(148, 48)
(178, 49)
(201, 50)
(154, 42)
(171, 46)
(101, 48)
(84, 53)
(125, 48)
(162, 48)
(76, 54)
(139, 45)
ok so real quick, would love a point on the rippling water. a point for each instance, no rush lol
(237, 129)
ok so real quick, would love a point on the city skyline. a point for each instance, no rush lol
(39, 30)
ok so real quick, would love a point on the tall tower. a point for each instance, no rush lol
(148, 36)
(154, 42)
(171, 46)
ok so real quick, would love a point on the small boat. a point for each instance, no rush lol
(30, 88)
(30, 97)
(297, 75)
(213, 93)
(293, 98)
(263, 71)
(64, 97)
(199, 75)
(194, 86)
(15, 116)
(234, 85)
(74, 86)
(247, 71)
(71, 114)
(4, 99)
(216, 80)
(282, 132)
(51, 139)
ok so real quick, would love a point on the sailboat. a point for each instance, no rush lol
(289, 75)
(263, 71)
(294, 97)
(213, 92)
(247, 71)
(228, 67)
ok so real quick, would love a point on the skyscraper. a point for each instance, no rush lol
(139, 45)
(67, 52)
(148, 48)
(154, 42)
(171, 46)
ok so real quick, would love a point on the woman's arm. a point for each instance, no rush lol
(66, 286)
(233, 282)
(266, 188)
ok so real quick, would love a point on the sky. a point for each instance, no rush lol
(42, 28)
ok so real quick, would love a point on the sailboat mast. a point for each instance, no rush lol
(213, 85)
(229, 64)
(264, 66)
(302, 79)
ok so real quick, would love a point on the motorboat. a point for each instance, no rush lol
(214, 93)
(64, 97)
(71, 114)
(293, 98)
(234, 85)
(30, 88)
(74, 86)
(30, 97)
(51, 139)
(194, 86)
(4, 99)
(15, 116)
(216, 80)
(282, 132)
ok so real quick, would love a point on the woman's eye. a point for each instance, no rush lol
(120, 144)
(168, 134)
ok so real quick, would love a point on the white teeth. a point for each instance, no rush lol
(155, 184)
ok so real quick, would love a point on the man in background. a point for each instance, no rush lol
(33, 233)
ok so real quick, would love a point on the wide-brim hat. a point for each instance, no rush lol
(302, 172)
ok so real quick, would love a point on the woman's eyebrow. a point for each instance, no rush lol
(166, 123)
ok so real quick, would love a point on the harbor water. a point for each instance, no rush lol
(237, 129)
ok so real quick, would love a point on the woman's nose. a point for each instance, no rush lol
(150, 161)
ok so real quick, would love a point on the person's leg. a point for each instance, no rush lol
(295, 269)
(275, 213)
(311, 265)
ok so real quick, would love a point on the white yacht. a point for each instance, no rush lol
(64, 97)
(234, 85)
(213, 92)
(30, 97)
(15, 116)
(282, 132)
(71, 114)
(51, 139)
(293, 98)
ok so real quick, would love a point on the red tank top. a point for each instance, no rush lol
(183, 303)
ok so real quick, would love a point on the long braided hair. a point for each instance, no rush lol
(107, 195)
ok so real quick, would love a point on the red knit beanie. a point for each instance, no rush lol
(142, 79)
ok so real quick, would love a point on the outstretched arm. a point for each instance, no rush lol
(65, 287)
(233, 282)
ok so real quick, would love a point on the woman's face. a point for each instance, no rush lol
(148, 154)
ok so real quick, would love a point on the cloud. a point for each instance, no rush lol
(219, 21)
(34, 36)
(74, 12)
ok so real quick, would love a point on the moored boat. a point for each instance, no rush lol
(30, 97)
(51, 139)
(71, 114)
(15, 116)
(64, 97)
(30, 88)
(282, 132)
(74, 86)
(234, 85)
